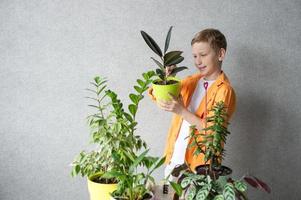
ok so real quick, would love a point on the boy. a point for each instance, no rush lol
(208, 50)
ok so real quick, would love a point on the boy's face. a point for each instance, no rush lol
(207, 60)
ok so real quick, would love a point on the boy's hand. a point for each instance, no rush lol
(169, 69)
(175, 105)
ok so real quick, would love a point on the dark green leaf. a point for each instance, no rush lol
(158, 63)
(134, 98)
(151, 43)
(167, 40)
(175, 61)
(171, 56)
(178, 69)
(133, 109)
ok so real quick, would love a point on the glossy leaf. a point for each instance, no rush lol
(167, 40)
(176, 187)
(178, 69)
(151, 43)
(171, 56)
(175, 61)
(158, 63)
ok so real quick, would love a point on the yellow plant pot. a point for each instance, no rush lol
(100, 191)
(161, 91)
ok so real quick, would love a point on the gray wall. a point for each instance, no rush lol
(50, 50)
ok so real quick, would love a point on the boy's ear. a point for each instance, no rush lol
(222, 53)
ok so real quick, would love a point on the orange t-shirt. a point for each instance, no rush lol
(220, 90)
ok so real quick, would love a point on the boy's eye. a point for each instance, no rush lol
(203, 55)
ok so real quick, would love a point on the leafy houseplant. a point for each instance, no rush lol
(134, 185)
(112, 133)
(167, 68)
(212, 180)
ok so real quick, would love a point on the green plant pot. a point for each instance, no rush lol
(161, 91)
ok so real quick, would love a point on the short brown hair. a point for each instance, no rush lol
(214, 37)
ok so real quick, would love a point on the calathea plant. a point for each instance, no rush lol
(167, 59)
(112, 131)
(211, 180)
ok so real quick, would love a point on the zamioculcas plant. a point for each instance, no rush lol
(212, 180)
(166, 64)
(112, 133)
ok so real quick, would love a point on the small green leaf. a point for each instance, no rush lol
(176, 187)
(133, 109)
(138, 89)
(140, 82)
(134, 98)
(145, 76)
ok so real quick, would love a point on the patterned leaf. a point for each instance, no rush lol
(240, 186)
(219, 197)
(185, 182)
(203, 193)
(228, 192)
(191, 193)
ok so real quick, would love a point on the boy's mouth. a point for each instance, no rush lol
(202, 67)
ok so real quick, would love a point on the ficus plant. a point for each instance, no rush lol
(212, 180)
(166, 59)
(112, 131)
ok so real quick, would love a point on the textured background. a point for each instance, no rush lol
(50, 50)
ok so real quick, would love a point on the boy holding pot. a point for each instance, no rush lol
(210, 86)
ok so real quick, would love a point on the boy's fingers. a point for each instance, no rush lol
(172, 96)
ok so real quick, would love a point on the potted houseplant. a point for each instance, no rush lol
(212, 180)
(134, 184)
(167, 69)
(112, 133)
